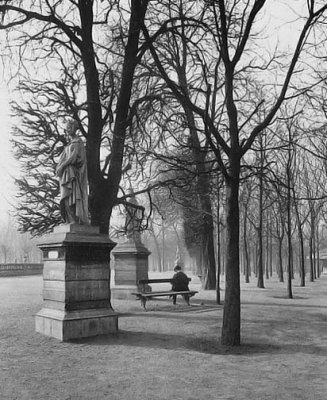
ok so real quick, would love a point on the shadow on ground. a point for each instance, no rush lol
(206, 346)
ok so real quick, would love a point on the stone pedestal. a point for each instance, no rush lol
(131, 264)
(76, 290)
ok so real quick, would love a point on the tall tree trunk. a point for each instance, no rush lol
(158, 250)
(314, 249)
(271, 252)
(280, 259)
(93, 143)
(245, 244)
(289, 222)
(163, 258)
(210, 282)
(260, 283)
(203, 191)
(318, 252)
(311, 259)
(267, 250)
(301, 240)
(218, 300)
(223, 249)
(290, 250)
(104, 195)
(231, 328)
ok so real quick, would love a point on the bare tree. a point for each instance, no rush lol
(56, 33)
(229, 18)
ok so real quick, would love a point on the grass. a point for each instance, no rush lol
(171, 352)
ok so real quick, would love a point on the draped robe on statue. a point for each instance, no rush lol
(72, 173)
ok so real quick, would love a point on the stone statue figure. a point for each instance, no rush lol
(72, 174)
(134, 217)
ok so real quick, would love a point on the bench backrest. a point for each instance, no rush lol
(163, 280)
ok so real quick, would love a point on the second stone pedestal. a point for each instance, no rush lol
(131, 265)
(76, 290)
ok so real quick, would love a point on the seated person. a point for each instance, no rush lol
(180, 283)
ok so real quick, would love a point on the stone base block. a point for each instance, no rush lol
(123, 292)
(67, 325)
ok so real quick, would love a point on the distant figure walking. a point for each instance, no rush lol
(180, 283)
(72, 174)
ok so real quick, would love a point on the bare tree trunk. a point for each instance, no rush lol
(223, 250)
(203, 191)
(318, 252)
(218, 300)
(301, 240)
(163, 258)
(159, 260)
(210, 282)
(289, 269)
(314, 250)
(231, 328)
(260, 283)
(245, 245)
(103, 197)
(280, 258)
(289, 226)
(267, 251)
(271, 253)
(311, 259)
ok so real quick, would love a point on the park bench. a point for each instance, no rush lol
(144, 294)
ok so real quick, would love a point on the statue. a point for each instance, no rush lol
(72, 174)
(134, 217)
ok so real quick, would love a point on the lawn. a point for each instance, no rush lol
(171, 351)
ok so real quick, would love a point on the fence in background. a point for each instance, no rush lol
(16, 269)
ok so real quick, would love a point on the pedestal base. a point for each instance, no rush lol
(124, 292)
(131, 265)
(75, 324)
(76, 293)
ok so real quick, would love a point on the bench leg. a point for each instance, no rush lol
(187, 298)
(143, 301)
(174, 298)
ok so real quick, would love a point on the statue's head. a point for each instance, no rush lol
(71, 127)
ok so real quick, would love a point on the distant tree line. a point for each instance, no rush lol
(16, 247)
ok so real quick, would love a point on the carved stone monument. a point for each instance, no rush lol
(76, 257)
(130, 257)
(76, 290)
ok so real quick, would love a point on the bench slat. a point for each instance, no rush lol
(168, 293)
(163, 280)
(145, 281)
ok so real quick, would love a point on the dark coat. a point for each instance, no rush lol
(180, 282)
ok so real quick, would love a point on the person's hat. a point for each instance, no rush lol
(177, 268)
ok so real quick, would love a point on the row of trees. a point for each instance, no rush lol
(282, 210)
(176, 96)
(16, 247)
